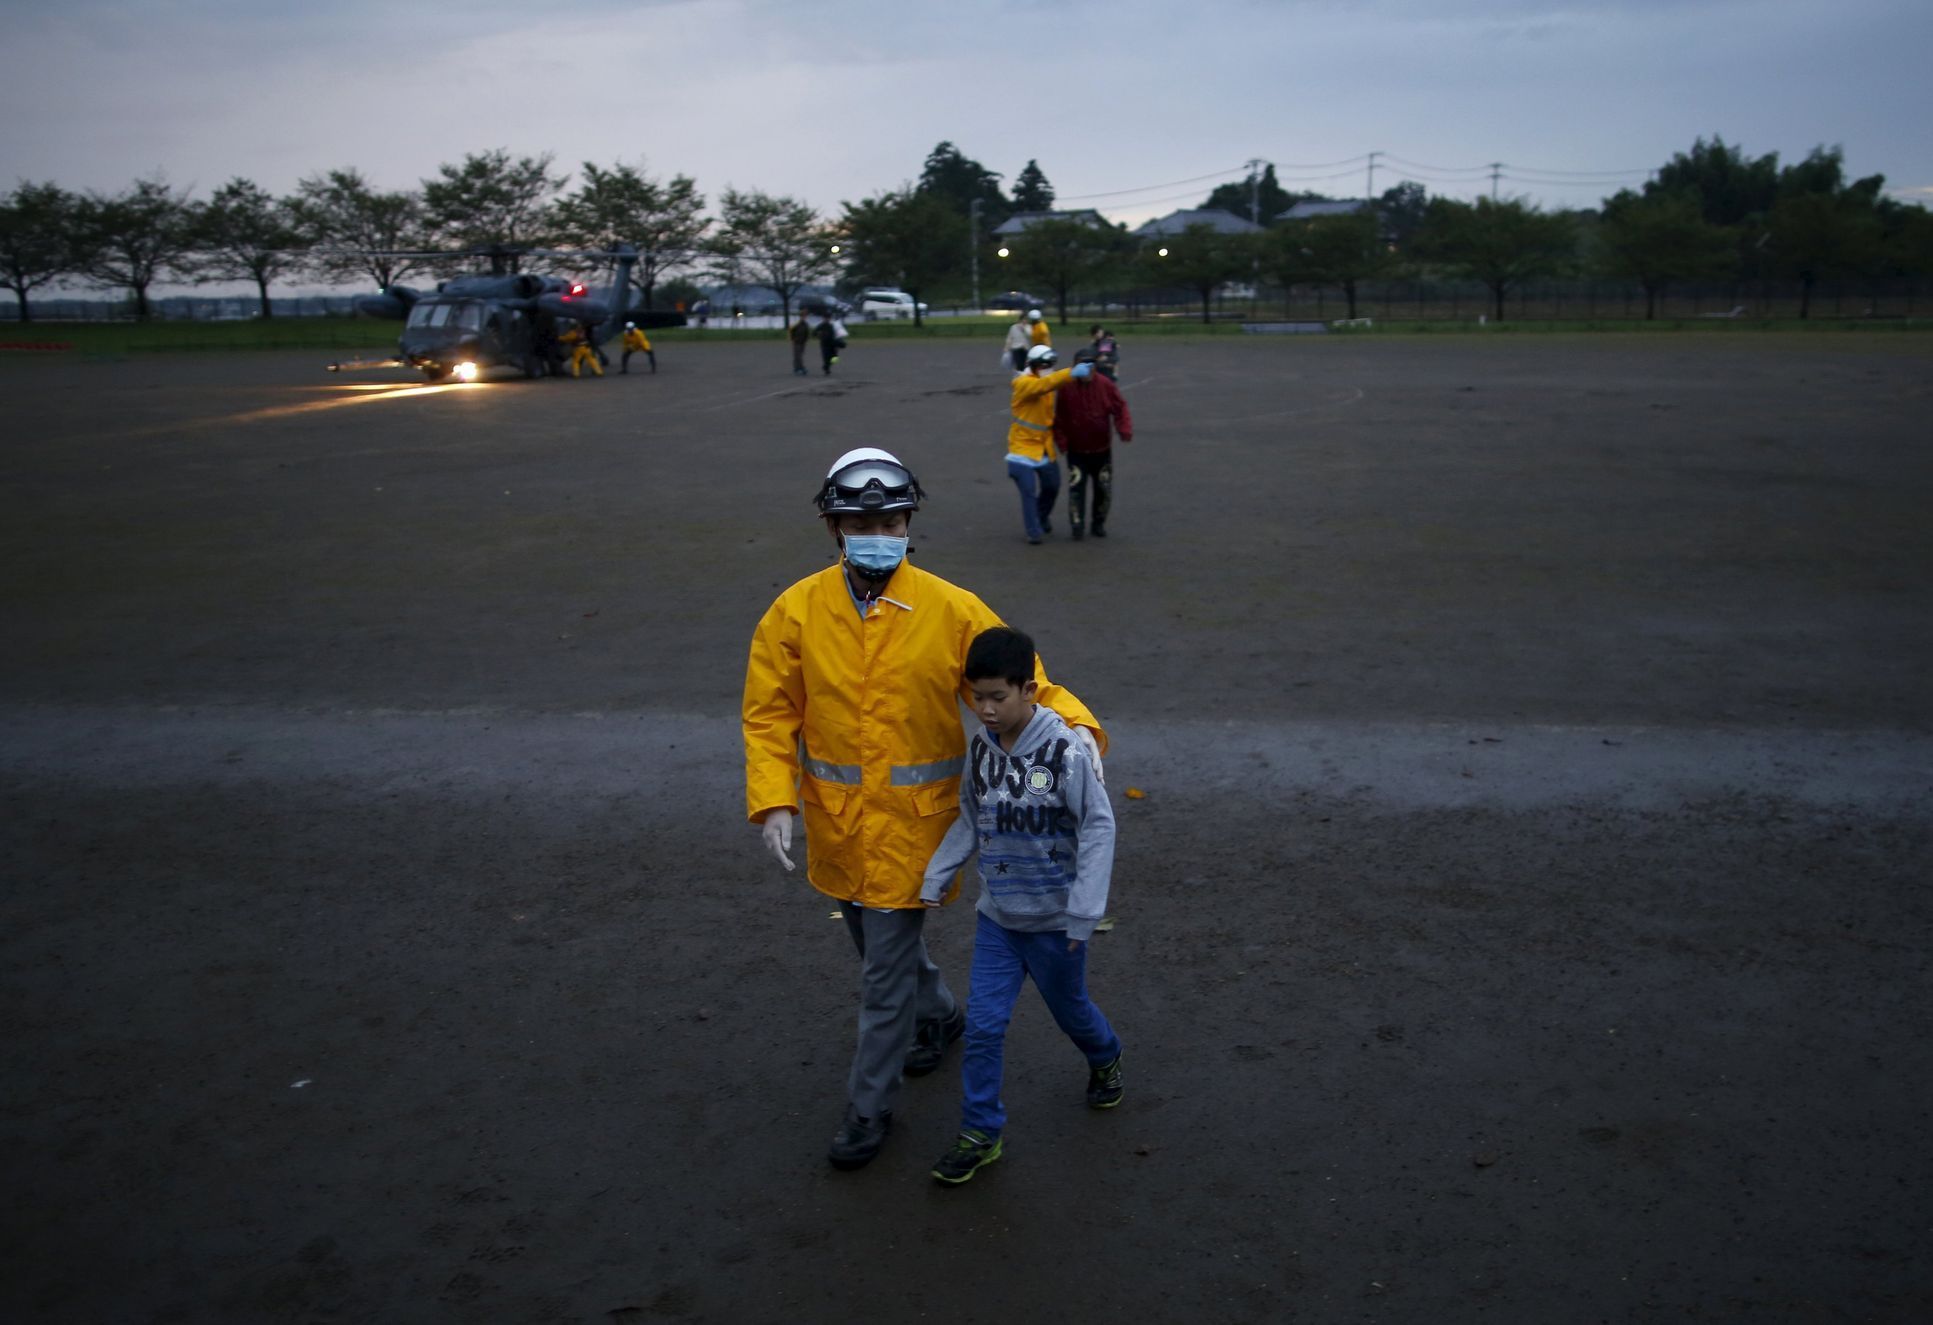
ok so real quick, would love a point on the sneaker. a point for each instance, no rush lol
(858, 1139)
(929, 1043)
(971, 1151)
(1099, 532)
(1104, 1085)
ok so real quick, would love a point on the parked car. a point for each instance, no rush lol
(1015, 301)
(879, 302)
(816, 300)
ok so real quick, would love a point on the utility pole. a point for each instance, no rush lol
(1496, 169)
(1255, 165)
(1370, 196)
(973, 245)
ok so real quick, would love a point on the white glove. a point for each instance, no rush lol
(1086, 738)
(777, 831)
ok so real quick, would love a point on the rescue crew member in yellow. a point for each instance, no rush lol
(1032, 462)
(1037, 329)
(583, 352)
(852, 713)
(636, 342)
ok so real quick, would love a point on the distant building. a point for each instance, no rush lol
(1309, 209)
(1221, 222)
(1020, 221)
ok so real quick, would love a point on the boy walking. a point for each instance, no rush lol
(1032, 804)
(1087, 414)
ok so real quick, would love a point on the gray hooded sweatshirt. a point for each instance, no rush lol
(1041, 821)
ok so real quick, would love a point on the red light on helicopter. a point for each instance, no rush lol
(576, 290)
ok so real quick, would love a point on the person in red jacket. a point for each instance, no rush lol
(1087, 412)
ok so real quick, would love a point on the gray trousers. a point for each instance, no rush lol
(899, 987)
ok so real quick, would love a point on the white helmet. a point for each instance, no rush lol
(630, 326)
(868, 481)
(1042, 356)
(1033, 315)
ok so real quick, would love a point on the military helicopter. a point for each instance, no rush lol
(470, 324)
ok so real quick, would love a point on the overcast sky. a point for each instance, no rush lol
(1127, 105)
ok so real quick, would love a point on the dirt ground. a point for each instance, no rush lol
(1525, 918)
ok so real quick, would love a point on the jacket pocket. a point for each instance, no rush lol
(937, 798)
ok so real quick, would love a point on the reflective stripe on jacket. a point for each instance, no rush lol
(856, 722)
(1030, 434)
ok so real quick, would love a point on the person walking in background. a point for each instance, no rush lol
(1031, 462)
(801, 336)
(1034, 809)
(830, 342)
(851, 713)
(1014, 353)
(1038, 332)
(636, 342)
(1087, 413)
(1107, 354)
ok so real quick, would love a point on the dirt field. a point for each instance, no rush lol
(1526, 919)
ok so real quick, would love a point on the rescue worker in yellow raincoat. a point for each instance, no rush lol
(1038, 331)
(636, 342)
(583, 351)
(1032, 462)
(852, 714)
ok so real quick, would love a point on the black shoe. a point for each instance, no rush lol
(971, 1151)
(1099, 532)
(1104, 1085)
(858, 1139)
(929, 1043)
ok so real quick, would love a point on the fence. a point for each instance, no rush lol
(1545, 301)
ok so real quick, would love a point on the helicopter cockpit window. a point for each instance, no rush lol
(464, 317)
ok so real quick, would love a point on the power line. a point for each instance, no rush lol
(1321, 172)
(1171, 184)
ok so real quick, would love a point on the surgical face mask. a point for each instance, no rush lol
(875, 553)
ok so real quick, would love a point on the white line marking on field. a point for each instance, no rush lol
(746, 400)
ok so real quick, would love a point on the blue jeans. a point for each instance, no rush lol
(1002, 959)
(1039, 485)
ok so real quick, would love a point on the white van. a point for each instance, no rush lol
(878, 303)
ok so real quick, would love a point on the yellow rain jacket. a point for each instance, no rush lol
(1031, 433)
(1041, 335)
(634, 339)
(858, 723)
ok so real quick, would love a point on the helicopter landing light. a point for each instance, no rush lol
(466, 372)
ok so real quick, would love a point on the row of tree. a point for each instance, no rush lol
(1708, 213)
(338, 227)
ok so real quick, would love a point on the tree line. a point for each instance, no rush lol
(1709, 213)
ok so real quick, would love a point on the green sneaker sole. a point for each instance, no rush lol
(955, 1179)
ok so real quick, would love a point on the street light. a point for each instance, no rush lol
(1002, 251)
(1161, 253)
(835, 250)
